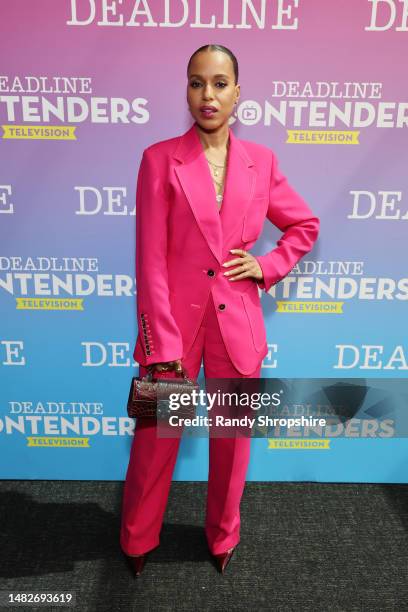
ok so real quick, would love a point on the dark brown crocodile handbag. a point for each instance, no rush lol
(148, 396)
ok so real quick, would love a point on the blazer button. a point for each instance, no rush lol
(221, 307)
(210, 272)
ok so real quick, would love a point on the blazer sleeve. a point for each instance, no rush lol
(290, 213)
(159, 333)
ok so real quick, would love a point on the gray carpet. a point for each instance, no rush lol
(304, 546)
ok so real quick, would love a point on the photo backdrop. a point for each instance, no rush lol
(85, 86)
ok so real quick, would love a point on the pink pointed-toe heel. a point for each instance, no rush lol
(222, 559)
(137, 562)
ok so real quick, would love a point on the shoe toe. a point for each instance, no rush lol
(222, 559)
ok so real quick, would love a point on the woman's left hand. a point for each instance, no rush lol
(247, 266)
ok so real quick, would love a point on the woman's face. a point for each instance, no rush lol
(211, 84)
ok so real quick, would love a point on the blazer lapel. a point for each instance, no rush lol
(239, 187)
(196, 181)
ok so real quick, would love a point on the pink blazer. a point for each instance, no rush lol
(182, 240)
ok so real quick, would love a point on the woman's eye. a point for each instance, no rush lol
(220, 84)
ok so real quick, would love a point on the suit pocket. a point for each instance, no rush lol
(254, 313)
(254, 219)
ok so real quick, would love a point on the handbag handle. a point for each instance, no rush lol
(150, 369)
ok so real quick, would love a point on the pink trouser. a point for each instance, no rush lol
(152, 461)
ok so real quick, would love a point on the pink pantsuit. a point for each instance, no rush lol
(187, 309)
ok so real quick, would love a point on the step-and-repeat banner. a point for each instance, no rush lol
(85, 86)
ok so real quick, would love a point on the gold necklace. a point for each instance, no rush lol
(215, 167)
(219, 196)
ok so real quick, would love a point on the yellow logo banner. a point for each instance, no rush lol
(301, 444)
(39, 132)
(346, 137)
(49, 303)
(55, 442)
(310, 307)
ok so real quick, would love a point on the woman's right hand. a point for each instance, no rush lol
(169, 366)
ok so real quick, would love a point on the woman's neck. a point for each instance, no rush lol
(215, 140)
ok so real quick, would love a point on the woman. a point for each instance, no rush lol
(201, 202)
